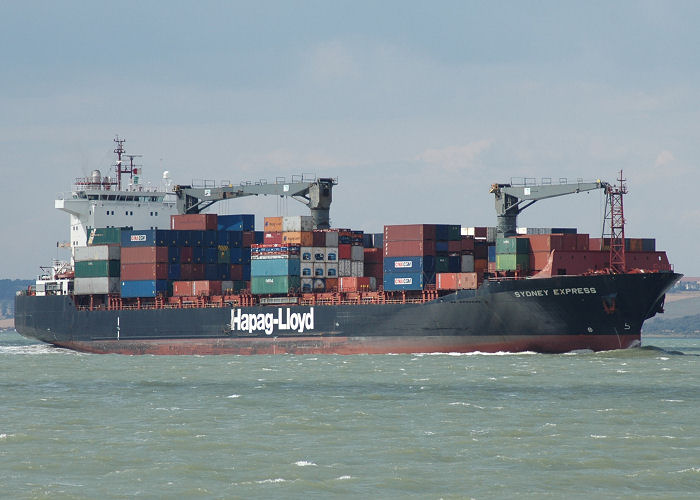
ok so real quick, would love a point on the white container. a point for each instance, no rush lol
(357, 269)
(467, 264)
(319, 284)
(96, 286)
(318, 254)
(331, 270)
(297, 223)
(344, 268)
(331, 254)
(307, 270)
(307, 285)
(319, 270)
(306, 254)
(357, 253)
(97, 252)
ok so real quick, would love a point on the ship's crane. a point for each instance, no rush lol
(512, 199)
(316, 194)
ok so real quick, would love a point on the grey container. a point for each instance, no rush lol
(96, 252)
(96, 286)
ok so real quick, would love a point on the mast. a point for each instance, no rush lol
(615, 213)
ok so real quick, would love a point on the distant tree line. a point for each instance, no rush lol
(687, 325)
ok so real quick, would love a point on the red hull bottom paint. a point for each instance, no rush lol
(359, 345)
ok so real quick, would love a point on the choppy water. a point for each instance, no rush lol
(621, 424)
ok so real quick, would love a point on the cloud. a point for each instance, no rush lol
(331, 61)
(456, 158)
(664, 158)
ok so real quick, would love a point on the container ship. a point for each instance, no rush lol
(153, 271)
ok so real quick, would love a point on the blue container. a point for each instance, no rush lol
(234, 238)
(211, 239)
(492, 253)
(145, 288)
(238, 222)
(275, 267)
(367, 240)
(174, 271)
(197, 255)
(455, 263)
(173, 255)
(246, 272)
(409, 264)
(197, 238)
(259, 237)
(442, 232)
(378, 240)
(211, 272)
(211, 255)
(441, 247)
(224, 272)
(184, 238)
(145, 238)
(403, 281)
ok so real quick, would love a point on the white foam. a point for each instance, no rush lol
(343, 478)
(276, 480)
(234, 396)
(304, 463)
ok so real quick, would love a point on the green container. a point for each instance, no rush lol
(512, 245)
(454, 232)
(97, 269)
(105, 236)
(512, 262)
(442, 264)
(275, 285)
(224, 256)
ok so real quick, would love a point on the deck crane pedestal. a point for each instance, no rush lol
(512, 199)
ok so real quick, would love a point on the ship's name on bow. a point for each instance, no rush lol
(555, 292)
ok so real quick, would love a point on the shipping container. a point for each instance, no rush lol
(303, 238)
(174, 271)
(409, 264)
(186, 254)
(96, 286)
(332, 254)
(332, 238)
(144, 255)
(373, 255)
(272, 238)
(318, 238)
(319, 270)
(97, 269)
(456, 281)
(357, 284)
(345, 251)
(272, 224)
(344, 267)
(238, 222)
(96, 252)
(307, 285)
(331, 284)
(199, 222)
(409, 232)
(274, 285)
(105, 236)
(467, 244)
(403, 281)
(512, 246)
(492, 254)
(182, 289)
(357, 253)
(206, 288)
(467, 263)
(143, 272)
(512, 262)
(275, 267)
(442, 264)
(332, 269)
(306, 254)
(375, 270)
(145, 288)
(307, 269)
(319, 284)
(357, 268)
(145, 238)
(298, 223)
(318, 254)
(408, 248)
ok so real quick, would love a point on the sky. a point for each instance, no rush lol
(415, 107)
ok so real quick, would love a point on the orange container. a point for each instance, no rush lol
(303, 238)
(273, 224)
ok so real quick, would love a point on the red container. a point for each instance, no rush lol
(182, 288)
(409, 232)
(362, 284)
(136, 272)
(345, 251)
(186, 271)
(456, 281)
(236, 272)
(331, 284)
(569, 241)
(374, 256)
(582, 242)
(248, 238)
(273, 238)
(595, 243)
(649, 261)
(375, 270)
(545, 242)
(481, 250)
(319, 238)
(454, 246)
(144, 255)
(197, 222)
(413, 248)
(197, 271)
(467, 243)
(186, 254)
(206, 288)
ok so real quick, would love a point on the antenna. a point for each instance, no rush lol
(615, 213)
(130, 169)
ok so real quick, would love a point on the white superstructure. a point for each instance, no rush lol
(102, 201)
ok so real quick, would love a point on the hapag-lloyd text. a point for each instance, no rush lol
(284, 320)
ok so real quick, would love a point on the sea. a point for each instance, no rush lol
(618, 424)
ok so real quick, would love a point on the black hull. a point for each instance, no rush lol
(550, 315)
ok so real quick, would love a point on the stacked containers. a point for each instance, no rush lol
(512, 254)
(275, 269)
(334, 253)
(96, 269)
(145, 262)
(413, 253)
